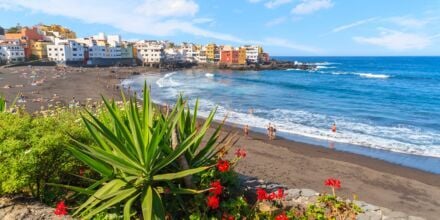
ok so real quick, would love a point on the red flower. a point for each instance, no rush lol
(334, 183)
(216, 188)
(280, 193)
(240, 153)
(281, 216)
(261, 194)
(226, 216)
(213, 202)
(61, 209)
(223, 165)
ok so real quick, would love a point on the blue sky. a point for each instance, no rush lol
(283, 27)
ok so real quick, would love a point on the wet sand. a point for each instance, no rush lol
(294, 164)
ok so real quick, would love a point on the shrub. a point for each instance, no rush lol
(33, 153)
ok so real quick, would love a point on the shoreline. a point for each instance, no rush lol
(295, 164)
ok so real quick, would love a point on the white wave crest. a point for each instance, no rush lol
(375, 76)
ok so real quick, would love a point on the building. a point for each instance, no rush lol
(67, 52)
(252, 53)
(150, 52)
(210, 52)
(2, 31)
(174, 55)
(11, 51)
(25, 35)
(127, 50)
(229, 55)
(200, 55)
(56, 31)
(242, 56)
(190, 51)
(39, 49)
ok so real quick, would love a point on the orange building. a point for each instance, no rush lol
(26, 35)
(229, 56)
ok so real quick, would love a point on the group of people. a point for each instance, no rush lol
(272, 130)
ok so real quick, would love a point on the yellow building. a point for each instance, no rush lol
(210, 52)
(57, 31)
(39, 49)
(242, 56)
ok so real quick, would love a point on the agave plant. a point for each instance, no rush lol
(139, 157)
(199, 154)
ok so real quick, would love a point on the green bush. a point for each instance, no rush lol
(33, 152)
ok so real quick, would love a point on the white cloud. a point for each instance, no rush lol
(150, 17)
(396, 40)
(146, 17)
(310, 6)
(254, 1)
(409, 22)
(202, 20)
(276, 3)
(276, 21)
(280, 42)
(354, 24)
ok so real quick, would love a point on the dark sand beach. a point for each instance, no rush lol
(293, 164)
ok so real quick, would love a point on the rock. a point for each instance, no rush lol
(395, 215)
(26, 209)
(415, 218)
(366, 207)
(292, 194)
(308, 192)
(369, 216)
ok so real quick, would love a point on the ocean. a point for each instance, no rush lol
(384, 107)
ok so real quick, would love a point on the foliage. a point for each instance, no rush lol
(2, 104)
(33, 152)
(139, 158)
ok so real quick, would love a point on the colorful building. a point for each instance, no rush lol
(58, 31)
(242, 56)
(39, 49)
(211, 52)
(229, 55)
(25, 35)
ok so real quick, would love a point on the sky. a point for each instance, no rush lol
(282, 27)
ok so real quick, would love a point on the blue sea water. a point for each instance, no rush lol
(384, 107)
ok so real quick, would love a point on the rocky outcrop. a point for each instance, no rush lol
(20, 208)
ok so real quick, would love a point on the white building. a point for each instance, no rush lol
(252, 52)
(200, 55)
(150, 51)
(190, 51)
(175, 55)
(66, 51)
(11, 52)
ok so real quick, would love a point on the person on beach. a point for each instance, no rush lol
(334, 128)
(274, 132)
(246, 130)
(269, 131)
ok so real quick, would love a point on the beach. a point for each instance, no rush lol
(294, 164)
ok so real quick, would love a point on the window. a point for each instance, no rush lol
(61, 49)
(74, 49)
(50, 49)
